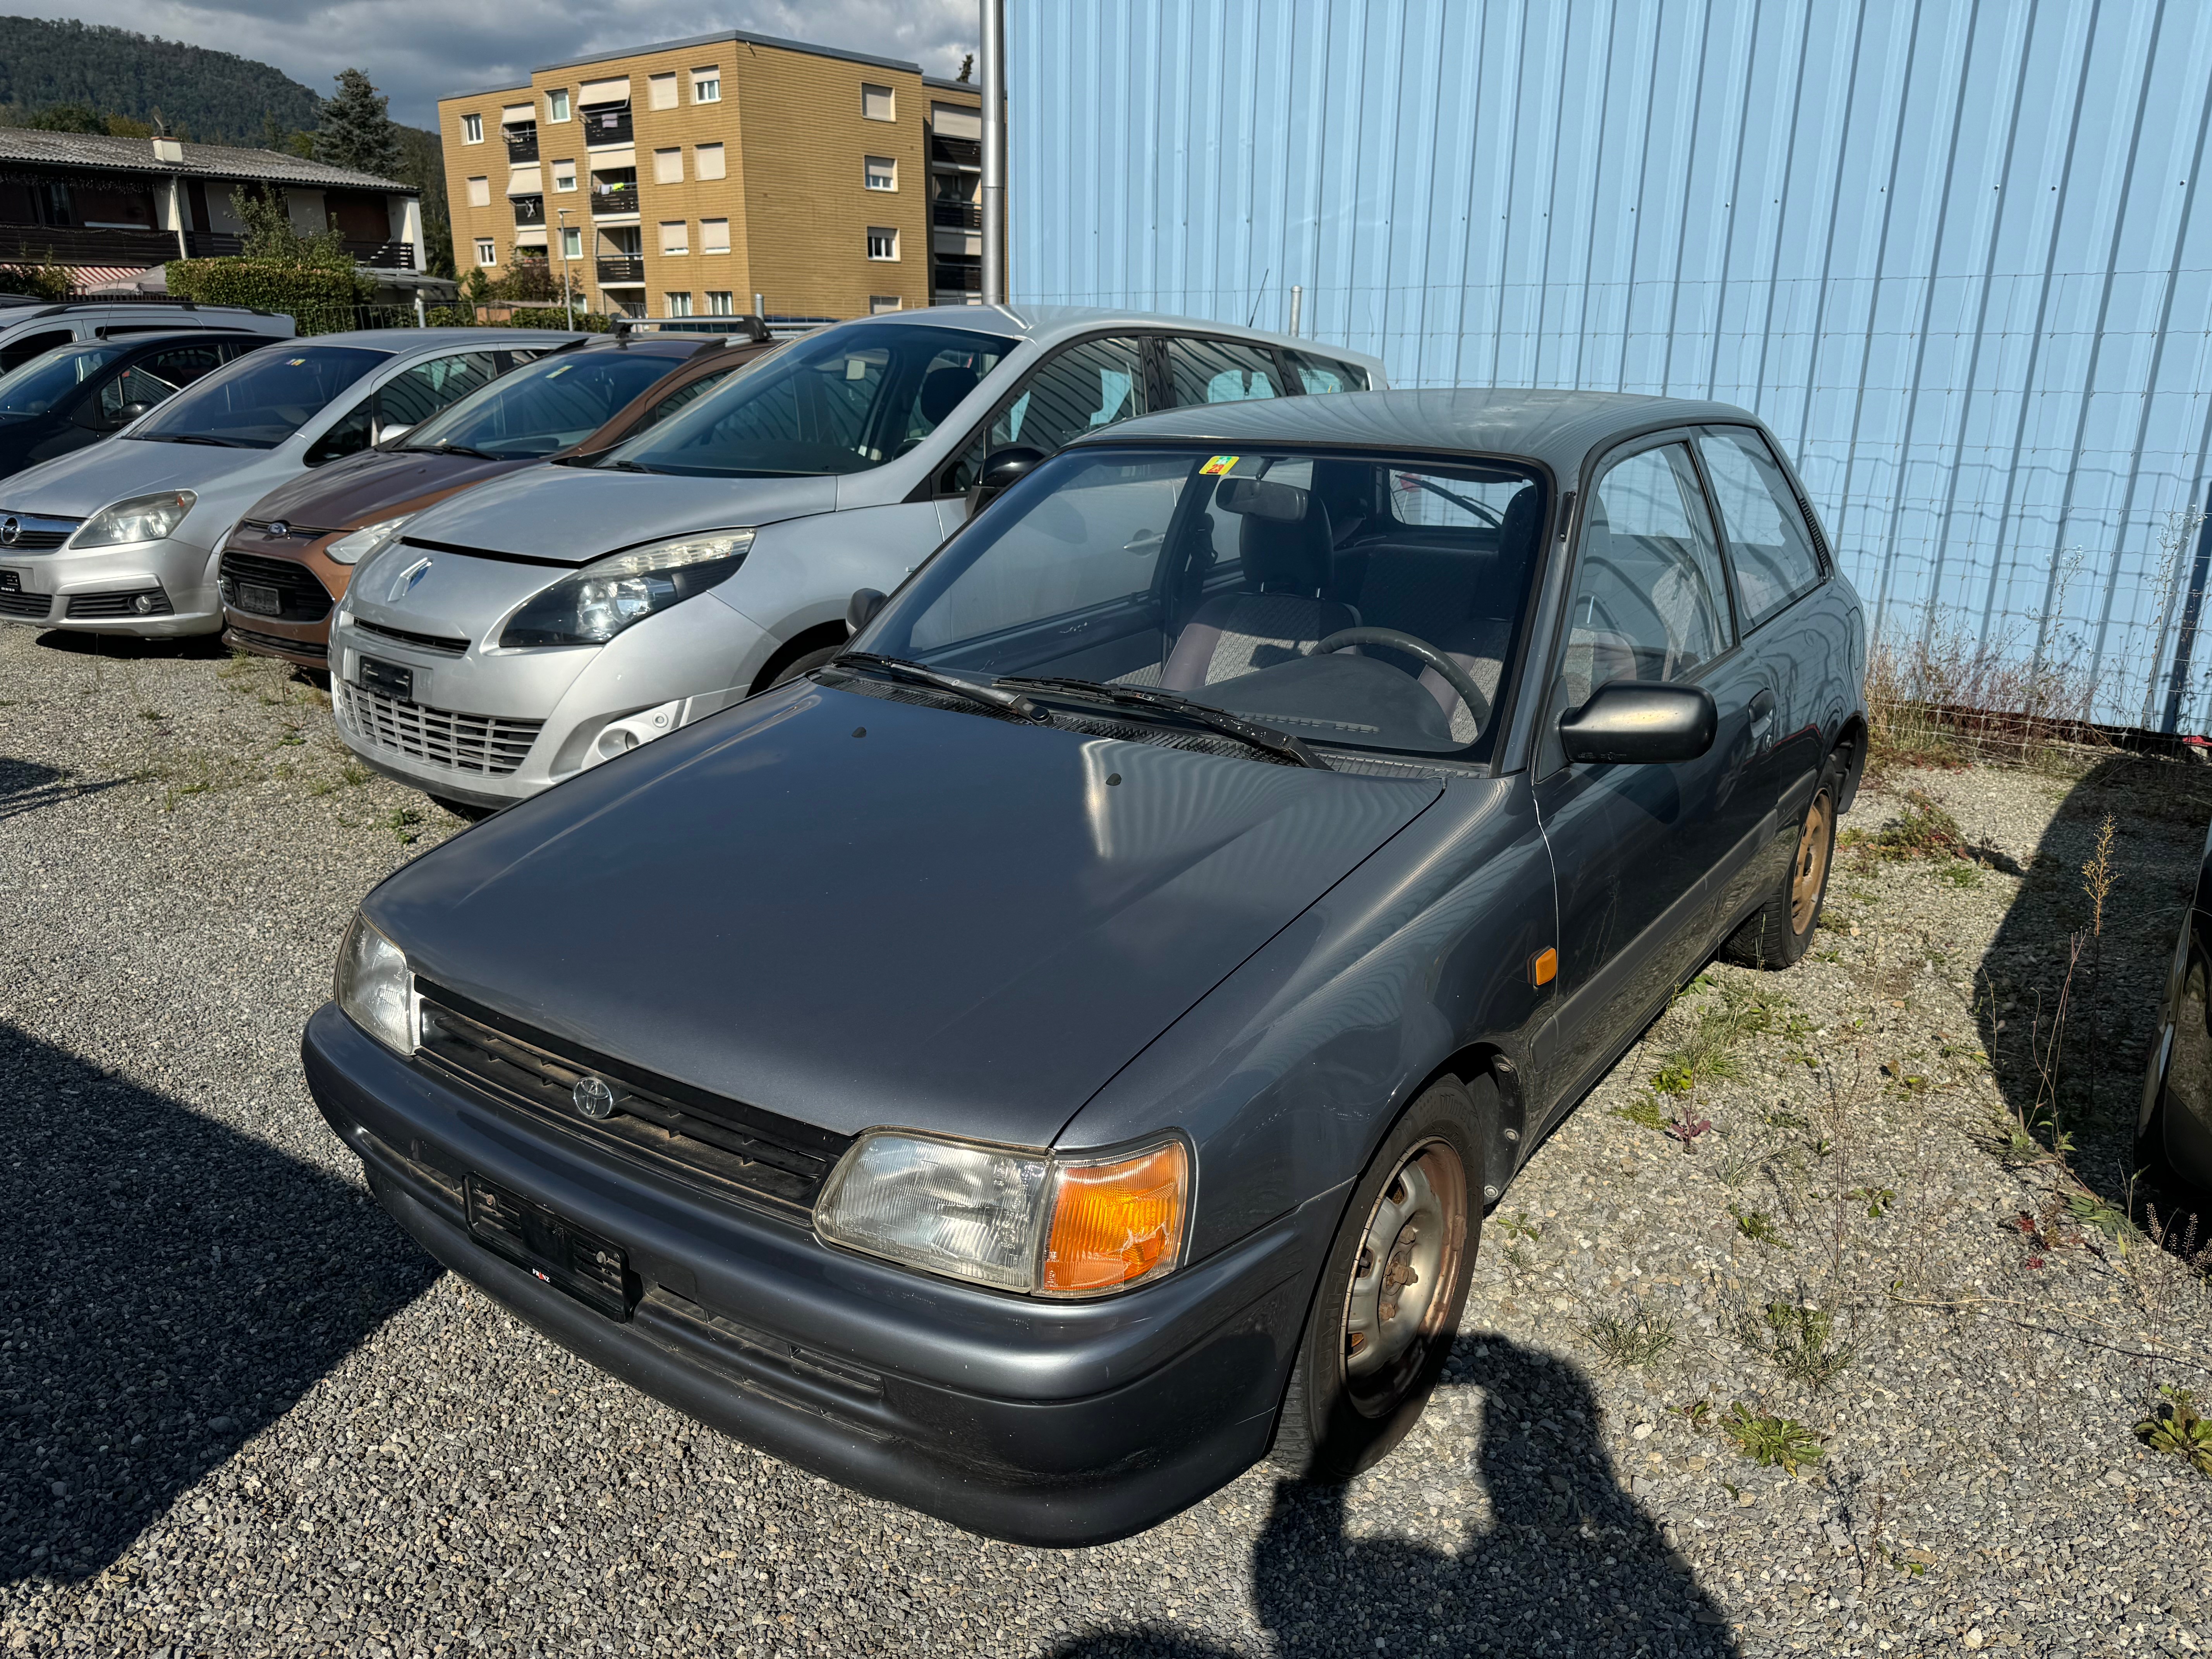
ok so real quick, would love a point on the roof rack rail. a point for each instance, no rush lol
(746, 326)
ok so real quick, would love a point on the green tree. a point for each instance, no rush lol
(355, 132)
(214, 96)
(271, 236)
(66, 117)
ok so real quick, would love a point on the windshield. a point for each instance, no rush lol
(1216, 577)
(40, 384)
(844, 400)
(261, 399)
(549, 404)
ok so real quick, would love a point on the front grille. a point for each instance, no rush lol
(296, 530)
(484, 743)
(300, 597)
(440, 642)
(139, 602)
(35, 534)
(734, 1147)
(14, 602)
(272, 645)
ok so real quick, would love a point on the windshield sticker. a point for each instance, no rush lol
(559, 372)
(1217, 466)
(294, 362)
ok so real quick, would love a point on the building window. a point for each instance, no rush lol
(661, 93)
(714, 236)
(564, 175)
(709, 161)
(571, 242)
(480, 191)
(883, 242)
(668, 167)
(472, 129)
(706, 85)
(720, 304)
(556, 104)
(879, 103)
(882, 173)
(679, 305)
(675, 236)
(880, 303)
(486, 253)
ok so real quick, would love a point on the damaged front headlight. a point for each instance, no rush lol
(376, 987)
(600, 600)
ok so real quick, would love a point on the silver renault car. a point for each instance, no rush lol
(122, 537)
(515, 635)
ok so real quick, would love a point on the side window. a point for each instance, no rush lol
(676, 400)
(1088, 385)
(18, 351)
(1650, 601)
(348, 434)
(154, 380)
(1768, 541)
(415, 393)
(1221, 372)
(1322, 375)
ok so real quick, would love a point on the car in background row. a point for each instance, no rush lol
(2173, 1129)
(122, 538)
(1061, 1051)
(290, 558)
(30, 328)
(531, 627)
(75, 395)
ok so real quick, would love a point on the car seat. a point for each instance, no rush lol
(1479, 640)
(1289, 563)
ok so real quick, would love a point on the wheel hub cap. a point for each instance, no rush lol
(1408, 1257)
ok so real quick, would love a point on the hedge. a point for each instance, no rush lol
(586, 322)
(318, 300)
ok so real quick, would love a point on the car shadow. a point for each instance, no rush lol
(2091, 1063)
(1564, 1561)
(129, 648)
(175, 1287)
(26, 786)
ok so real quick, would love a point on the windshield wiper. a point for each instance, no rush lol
(1179, 708)
(898, 668)
(629, 467)
(196, 438)
(451, 449)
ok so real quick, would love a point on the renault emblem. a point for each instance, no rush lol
(278, 527)
(10, 528)
(594, 1097)
(403, 583)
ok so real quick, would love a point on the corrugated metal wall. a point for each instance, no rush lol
(1951, 250)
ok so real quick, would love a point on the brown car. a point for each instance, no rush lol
(289, 561)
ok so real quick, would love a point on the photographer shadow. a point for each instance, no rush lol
(176, 1287)
(1565, 1563)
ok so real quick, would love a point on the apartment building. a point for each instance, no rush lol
(722, 173)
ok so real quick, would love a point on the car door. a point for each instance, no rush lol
(403, 400)
(1634, 848)
(1077, 389)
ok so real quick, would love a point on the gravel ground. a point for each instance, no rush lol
(243, 1415)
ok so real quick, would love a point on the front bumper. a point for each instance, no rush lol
(1040, 1423)
(95, 592)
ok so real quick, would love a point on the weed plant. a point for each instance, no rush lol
(1770, 1441)
(1639, 1336)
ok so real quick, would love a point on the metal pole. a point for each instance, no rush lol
(567, 303)
(760, 307)
(994, 141)
(1297, 306)
(421, 320)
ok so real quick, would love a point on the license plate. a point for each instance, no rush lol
(10, 582)
(389, 679)
(552, 1250)
(262, 601)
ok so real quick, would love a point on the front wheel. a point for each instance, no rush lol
(1391, 1293)
(1779, 933)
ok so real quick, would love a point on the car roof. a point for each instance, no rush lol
(1559, 429)
(1049, 325)
(424, 342)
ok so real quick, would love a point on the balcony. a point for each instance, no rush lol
(529, 209)
(521, 143)
(956, 215)
(957, 277)
(607, 202)
(955, 152)
(72, 245)
(609, 124)
(621, 268)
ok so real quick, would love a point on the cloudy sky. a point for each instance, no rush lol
(416, 49)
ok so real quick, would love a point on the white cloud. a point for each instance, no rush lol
(415, 51)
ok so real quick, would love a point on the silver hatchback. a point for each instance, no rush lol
(528, 630)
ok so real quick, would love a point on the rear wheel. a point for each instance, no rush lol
(812, 660)
(1390, 1296)
(1779, 933)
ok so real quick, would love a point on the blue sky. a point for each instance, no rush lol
(416, 49)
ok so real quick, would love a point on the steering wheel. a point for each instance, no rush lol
(1458, 678)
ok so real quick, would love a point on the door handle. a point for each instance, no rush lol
(1762, 715)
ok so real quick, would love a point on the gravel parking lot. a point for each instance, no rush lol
(243, 1415)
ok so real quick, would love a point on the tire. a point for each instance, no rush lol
(1418, 1207)
(2168, 1148)
(798, 666)
(1779, 933)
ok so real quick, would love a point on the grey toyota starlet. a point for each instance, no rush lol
(1062, 1050)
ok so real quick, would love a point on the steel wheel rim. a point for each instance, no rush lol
(1399, 1296)
(1811, 873)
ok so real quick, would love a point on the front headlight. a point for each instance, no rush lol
(358, 545)
(1017, 1220)
(600, 600)
(376, 988)
(140, 518)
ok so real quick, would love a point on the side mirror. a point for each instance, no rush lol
(1641, 722)
(861, 610)
(1002, 469)
(385, 434)
(132, 411)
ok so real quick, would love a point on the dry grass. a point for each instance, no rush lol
(1947, 701)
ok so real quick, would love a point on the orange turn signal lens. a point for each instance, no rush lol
(1544, 967)
(1116, 1223)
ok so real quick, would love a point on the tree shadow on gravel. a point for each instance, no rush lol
(26, 786)
(173, 1288)
(1568, 1564)
(2091, 1071)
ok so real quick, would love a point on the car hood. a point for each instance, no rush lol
(953, 922)
(575, 514)
(363, 488)
(80, 484)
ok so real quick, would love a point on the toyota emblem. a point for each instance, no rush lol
(593, 1099)
(278, 527)
(11, 527)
